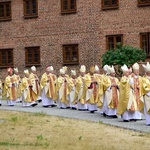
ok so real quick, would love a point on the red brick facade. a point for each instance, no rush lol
(87, 28)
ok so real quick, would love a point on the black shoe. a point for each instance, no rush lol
(62, 108)
(92, 111)
(73, 108)
(125, 120)
(148, 125)
(85, 109)
(39, 100)
(138, 119)
(133, 120)
(33, 105)
(104, 115)
(67, 107)
(11, 105)
(114, 116)
(53, 105)
(46, 106)
(0, 104)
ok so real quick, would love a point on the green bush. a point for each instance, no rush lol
(123, 55)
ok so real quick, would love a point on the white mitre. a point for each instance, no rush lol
(33, 68)
(62, 71)
(26, 71)
(82, 68)
(105, 67)
(73, 72)
(124, 68)
(111, 69)
(16, 70)
(96, 68)
(136, 66)
(65, 68)
(146, 67)
(51, 68)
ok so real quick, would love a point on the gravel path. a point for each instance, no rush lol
(82, 115)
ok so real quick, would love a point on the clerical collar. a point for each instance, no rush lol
(136, 76)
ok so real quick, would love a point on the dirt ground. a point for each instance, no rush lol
(39, 131)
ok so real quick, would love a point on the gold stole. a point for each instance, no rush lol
(13, 88)
(51, 90)
(30, 89)
(132, 108)
(65, 93)
(82, 98)
(136, 91)
(36, 82)
(114, 94)
(94, 88)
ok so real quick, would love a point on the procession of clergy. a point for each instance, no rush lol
(128, 97)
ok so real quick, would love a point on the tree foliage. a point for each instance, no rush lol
(123, 55)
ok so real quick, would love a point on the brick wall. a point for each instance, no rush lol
(88, 28)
